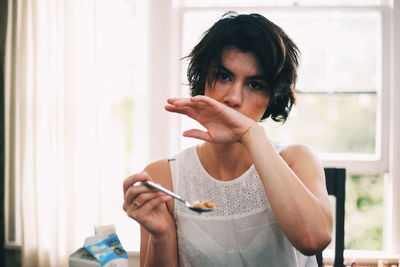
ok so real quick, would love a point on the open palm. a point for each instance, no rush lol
(223, 124)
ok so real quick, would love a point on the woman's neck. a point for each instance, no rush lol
(224, 161)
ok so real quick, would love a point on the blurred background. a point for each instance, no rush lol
(85, 84)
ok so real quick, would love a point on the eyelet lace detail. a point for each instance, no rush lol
(240, 196)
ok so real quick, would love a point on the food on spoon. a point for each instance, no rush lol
(209, 204)
(205, 204)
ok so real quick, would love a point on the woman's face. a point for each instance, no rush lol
(240, 84)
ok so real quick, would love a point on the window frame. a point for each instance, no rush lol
(365, 163)
(388, 129)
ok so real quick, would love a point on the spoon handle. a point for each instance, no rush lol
(164, 190)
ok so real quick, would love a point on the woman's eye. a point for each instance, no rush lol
(223, 76)
(256, 85)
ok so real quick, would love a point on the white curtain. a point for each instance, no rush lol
(67, 153)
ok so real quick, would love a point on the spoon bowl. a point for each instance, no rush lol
(200, 210)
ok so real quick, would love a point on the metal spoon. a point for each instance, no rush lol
(172, 194)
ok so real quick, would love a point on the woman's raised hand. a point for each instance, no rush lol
(223, 124)
(145, 205)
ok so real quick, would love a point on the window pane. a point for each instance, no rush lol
(120, 82)
(331, 123)
(338, 2)
(238, 3)
(339, 51)
(247, 3)
(364, 212)
(195, 23)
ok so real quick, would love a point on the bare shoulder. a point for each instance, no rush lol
(160, 172)
(305, 163)
(299, 154)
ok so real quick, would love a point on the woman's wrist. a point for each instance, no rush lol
(158, 239)
(162, 249)
(254, 131)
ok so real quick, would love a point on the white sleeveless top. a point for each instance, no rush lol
(241, 231)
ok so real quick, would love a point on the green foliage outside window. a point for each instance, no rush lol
(364, 212)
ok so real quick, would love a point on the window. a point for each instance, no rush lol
(342, 75)
(120, 61)
(340, 69)
(102, 99)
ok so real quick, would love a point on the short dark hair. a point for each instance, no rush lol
(276, 53)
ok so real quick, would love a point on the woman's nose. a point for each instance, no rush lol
(234, 96)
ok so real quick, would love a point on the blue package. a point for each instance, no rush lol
(106, 248)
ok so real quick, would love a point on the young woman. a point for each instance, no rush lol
(272, 203)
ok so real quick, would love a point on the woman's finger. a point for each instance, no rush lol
(195, 133)
(155, 202)
(133, 179)
(139, 213)
(134, 192)
(172, 100)
(140, 192)
(185, 102)
(181, 110)
(204, 99)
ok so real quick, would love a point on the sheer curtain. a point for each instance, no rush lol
(65, 152)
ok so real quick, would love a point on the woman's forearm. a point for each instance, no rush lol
(162, 251)
(302, 215)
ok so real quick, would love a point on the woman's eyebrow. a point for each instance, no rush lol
(225, 69)
(258, 77)
(262, 77)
